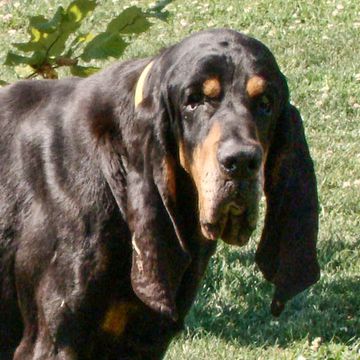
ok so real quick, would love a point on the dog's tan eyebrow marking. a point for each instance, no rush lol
(212, 87)
(256, 85)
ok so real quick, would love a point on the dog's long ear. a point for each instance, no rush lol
(141, 172)
(160, 256)
(286, 254)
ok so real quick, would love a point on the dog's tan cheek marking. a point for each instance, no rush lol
(263, 164)
(212, 87)
(169, 176)
(182, 157)
(116, 318)
(256, 86)
(265, 150)
(204, 169)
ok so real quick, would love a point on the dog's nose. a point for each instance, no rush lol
(240, 161)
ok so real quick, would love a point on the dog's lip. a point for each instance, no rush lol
(238, 229)
(215, 229)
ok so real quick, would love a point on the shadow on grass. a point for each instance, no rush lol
(234, 302)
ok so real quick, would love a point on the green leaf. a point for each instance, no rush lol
(77, 42)
(42, 40)
(72, 19)
(103, 46)
(75, 14)
(81, 38)
(52, 35)
(34, 32)
(39, 40)
(3, 83)
(29, 46)
(14, 59)
(57, 47)
(83, 71)
(131, 21)
(45, 26)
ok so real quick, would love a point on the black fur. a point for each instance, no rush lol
(88, 218)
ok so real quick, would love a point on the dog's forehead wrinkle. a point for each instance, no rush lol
(209, 65)
(214, 64)
(233, 109)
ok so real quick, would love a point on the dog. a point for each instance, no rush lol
(115, 189)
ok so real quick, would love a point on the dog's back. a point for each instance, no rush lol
(21, 109)
(10, 320)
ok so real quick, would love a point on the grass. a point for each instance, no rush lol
(317, 46)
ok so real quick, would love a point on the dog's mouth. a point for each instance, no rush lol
(233, 220)
(234, 227)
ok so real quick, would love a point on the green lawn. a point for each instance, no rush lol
(317, 45)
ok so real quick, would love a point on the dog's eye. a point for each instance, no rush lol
(264, 106)
(193, 101)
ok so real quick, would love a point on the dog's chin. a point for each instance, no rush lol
(234, 226)
(238, 228)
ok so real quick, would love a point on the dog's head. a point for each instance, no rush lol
(216, 107)
(224, 93)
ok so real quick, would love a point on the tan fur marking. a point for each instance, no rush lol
(117, 317)
(140, 84)
(212, 87)
(205, 171)
(67, 353)
(255, 86)
(169, 175)
(182, 157)
(263, 164)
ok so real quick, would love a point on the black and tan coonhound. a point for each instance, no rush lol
(114, 189)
